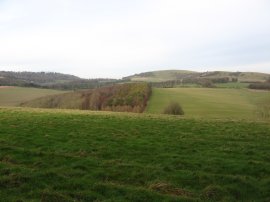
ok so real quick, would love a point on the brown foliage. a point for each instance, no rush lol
(165, 188)
(123, 98)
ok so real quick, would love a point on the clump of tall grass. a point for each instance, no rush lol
(263, 109)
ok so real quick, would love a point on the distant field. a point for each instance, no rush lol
(232, 85)
(13, 96)
(217, 85)
(61, 155)
(209, 102)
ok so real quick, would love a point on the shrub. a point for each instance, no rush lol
(174, 108)
(263, 86)
(206, 83)
(263, 109)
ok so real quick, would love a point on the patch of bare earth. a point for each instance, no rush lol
(6, 87)
(165, 188)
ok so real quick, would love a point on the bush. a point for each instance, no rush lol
(174, 108)
(263, 109)
(263, 86)
(206, 83)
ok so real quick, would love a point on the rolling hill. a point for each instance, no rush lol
(60, 81)
(51, 80)
(163, 75)
(167, 75)
(38, 78)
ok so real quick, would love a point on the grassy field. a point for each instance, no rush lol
(209, 102)
(54, 155)
(236, 85)
(232, 85)
(13, 96)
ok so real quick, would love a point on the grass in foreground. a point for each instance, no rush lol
(79, 156)
(209, 102)
(14, 96)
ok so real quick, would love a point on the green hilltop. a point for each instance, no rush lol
(167, 75)
(162, 75)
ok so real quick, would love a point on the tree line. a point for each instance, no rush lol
(128, 97)
(204, 82)
(260, 85)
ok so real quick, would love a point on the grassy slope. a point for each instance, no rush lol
(208, 102)
(16, 95)
(65, 156)
(163, 75)
(166, 75)
(253, 76)
(70, 100)
(242, 77)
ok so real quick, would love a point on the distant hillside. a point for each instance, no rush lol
(248, 77)
(8, 77)
(168, 75)
(164, 78)
(130, 97)
(50, 80)
(163, 75)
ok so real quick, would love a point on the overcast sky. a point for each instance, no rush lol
(115, 38)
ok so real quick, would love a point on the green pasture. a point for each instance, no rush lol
(232, 85)
(210, 102)
(65, 155)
